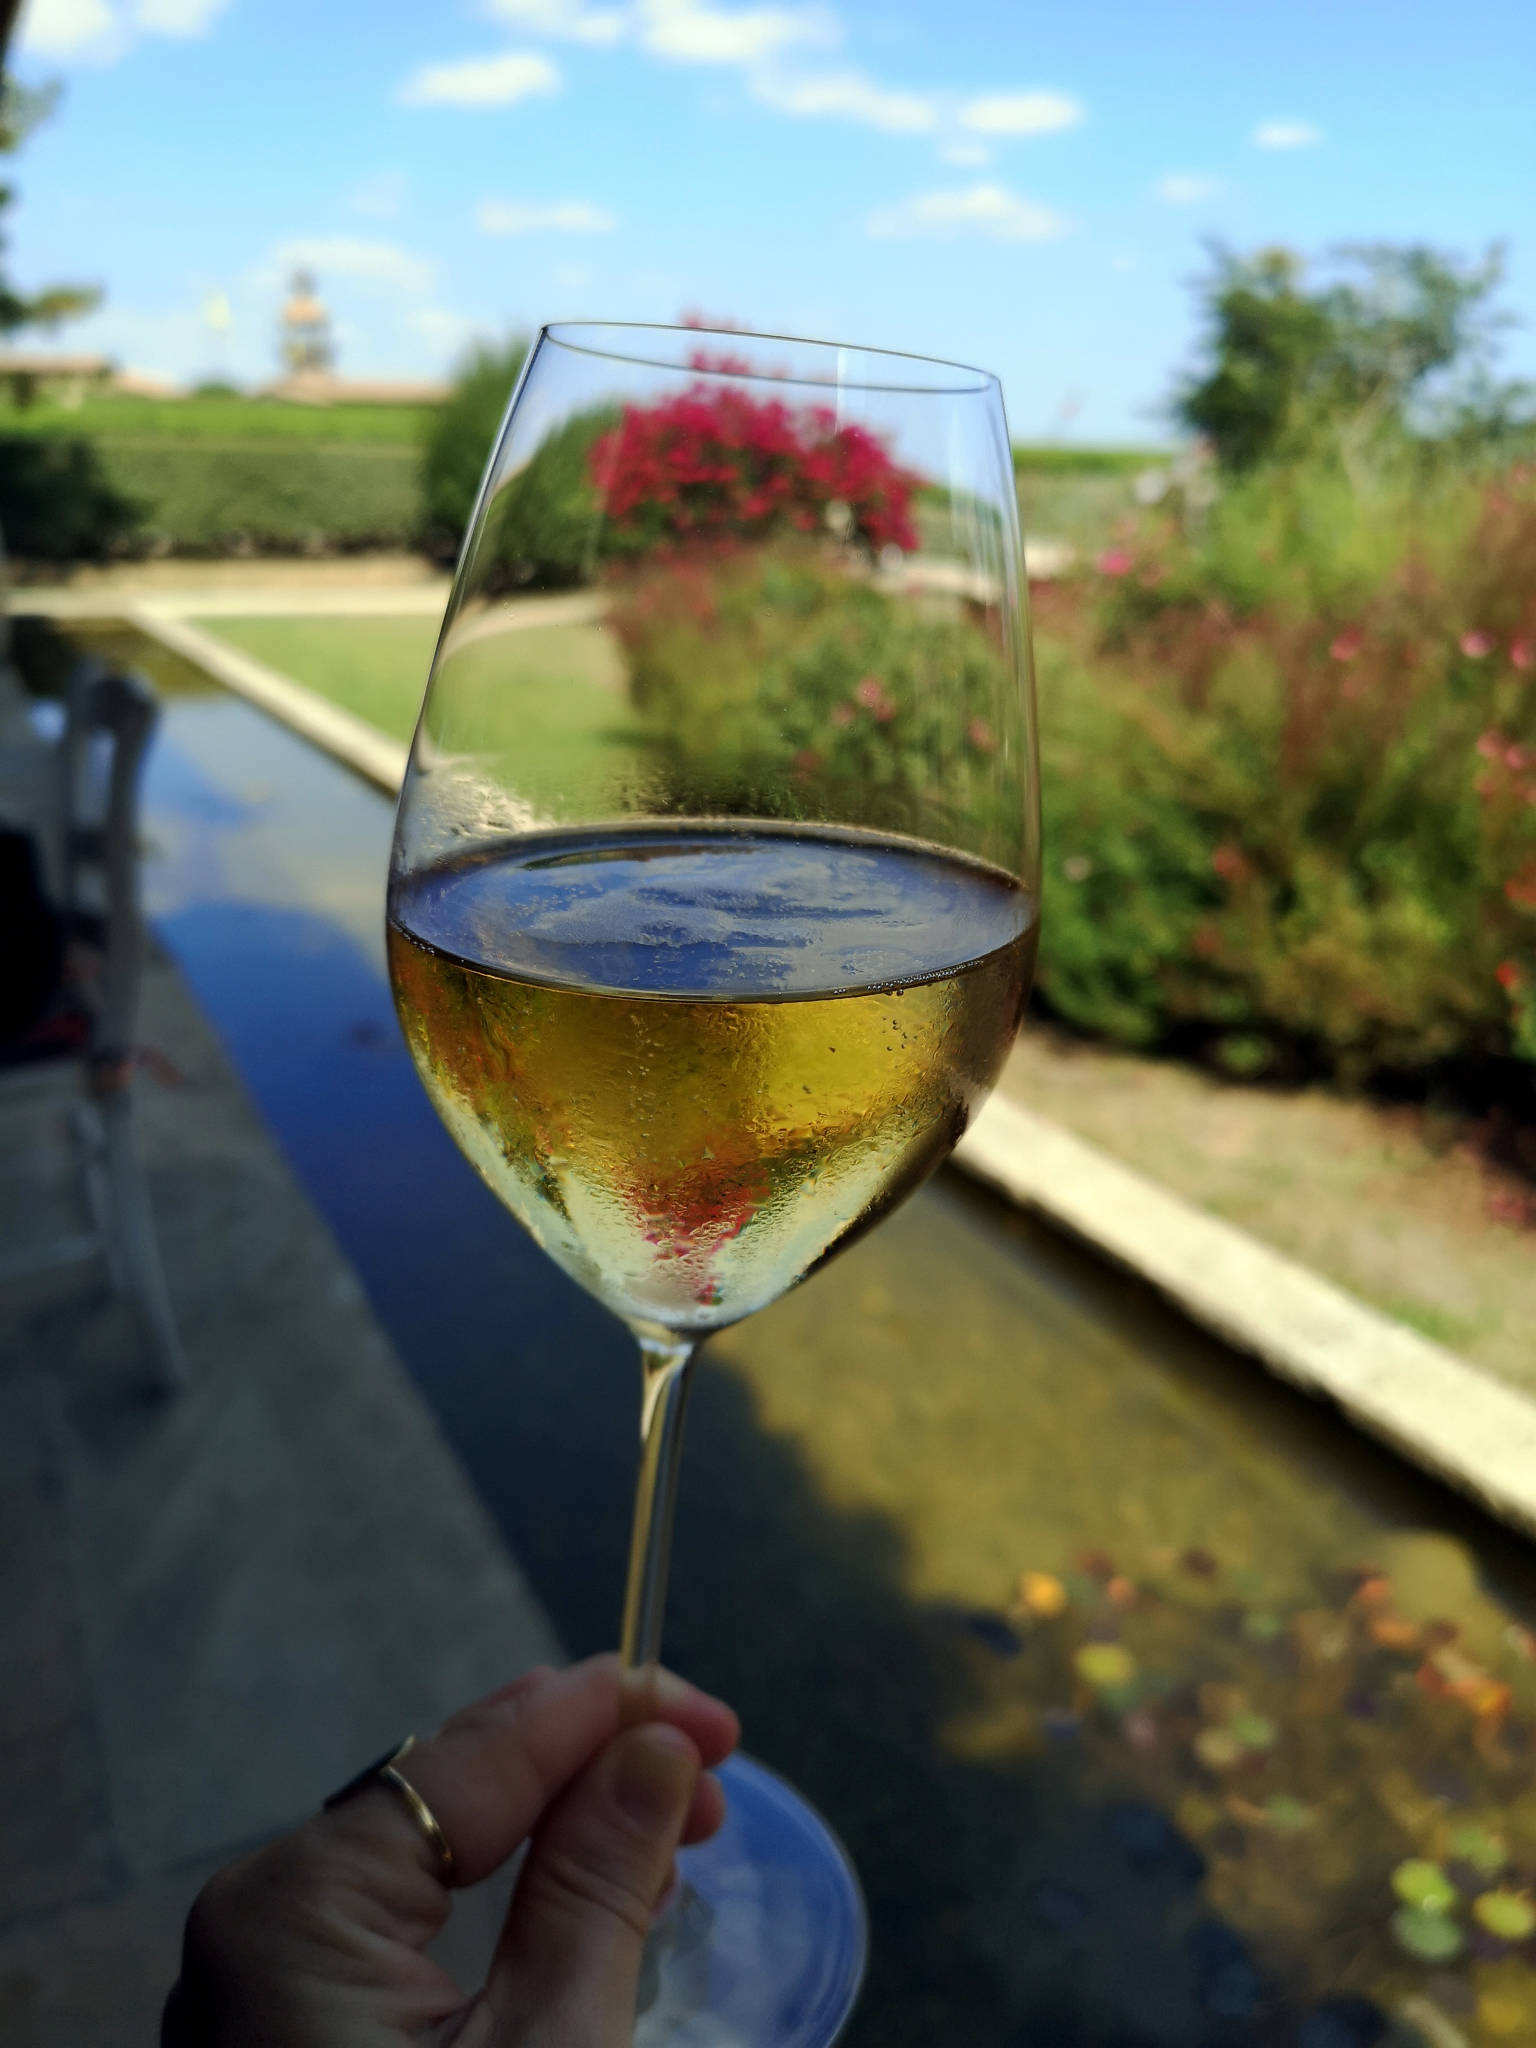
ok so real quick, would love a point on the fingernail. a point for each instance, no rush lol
(669, 1689)
(655, 1770)
(649, 1691)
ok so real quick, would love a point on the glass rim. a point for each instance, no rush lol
(582, 337)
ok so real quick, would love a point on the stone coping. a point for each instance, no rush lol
(1447, 1415)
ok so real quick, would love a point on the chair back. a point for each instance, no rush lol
(109, 720)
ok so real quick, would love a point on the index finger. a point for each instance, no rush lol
(490, 1771)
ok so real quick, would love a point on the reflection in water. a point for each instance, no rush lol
(1146, 1712)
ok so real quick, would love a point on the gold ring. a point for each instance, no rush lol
(385, 1772)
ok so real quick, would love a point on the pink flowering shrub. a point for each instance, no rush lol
(774, 683)
(1292, 761)
(718, 463)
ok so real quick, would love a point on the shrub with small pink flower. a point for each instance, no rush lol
(767, 676)
(1302, 761)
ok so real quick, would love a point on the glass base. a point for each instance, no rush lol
(764, 1943)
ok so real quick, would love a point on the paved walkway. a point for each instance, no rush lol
(213, 1609)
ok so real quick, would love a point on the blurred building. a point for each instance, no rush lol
(305, 345)
(307, 349)
(27, 375)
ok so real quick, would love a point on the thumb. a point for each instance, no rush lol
(567, 1967)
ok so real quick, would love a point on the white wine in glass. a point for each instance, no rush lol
(713, 910)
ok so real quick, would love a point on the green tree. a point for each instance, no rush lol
(55, 503)
(1395, 340)
(21, 111)
(459, 439)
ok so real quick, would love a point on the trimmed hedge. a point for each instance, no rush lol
(148, 496)
(58, 505)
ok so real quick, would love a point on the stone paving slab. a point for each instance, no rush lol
(213, 1607)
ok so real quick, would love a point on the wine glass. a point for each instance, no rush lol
(712, 911)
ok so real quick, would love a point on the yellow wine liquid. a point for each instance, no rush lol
(694, 1061)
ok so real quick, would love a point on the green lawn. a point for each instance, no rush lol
(549, 699)
(376, 668)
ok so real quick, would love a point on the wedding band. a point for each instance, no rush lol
(384, 1772)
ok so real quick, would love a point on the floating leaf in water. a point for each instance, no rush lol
(1261, 1626)
(1095, 1564)
(1424, 1885)
(1042, 1595)
(1391, 1632)
(1427, 1937)
(1219, 1750)
(1253, 1731)
(1105, 1666)
(1287, 1816)
(1475, 1845)
(1509, 1915)
(1199, 1563)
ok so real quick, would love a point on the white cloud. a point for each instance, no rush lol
(1020, 113)
(67, 28)
(176, 17)
(1182, 188)
(481, 81)
(693, 32)
(101, 31)
(1287, 135)
(443, 330)
(968, 155)
(568, 19)
(849, 96)
(382, 264)
(379, 197)
(990, 210)
(522, 217)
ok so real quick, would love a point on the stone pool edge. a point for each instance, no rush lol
(1446, 1415)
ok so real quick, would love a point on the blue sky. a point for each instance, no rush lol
(1023, 187)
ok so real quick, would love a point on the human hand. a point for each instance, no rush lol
(319, 1939)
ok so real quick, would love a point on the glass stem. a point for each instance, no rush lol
(665, 1361)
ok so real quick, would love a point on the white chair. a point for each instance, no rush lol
(92, 779)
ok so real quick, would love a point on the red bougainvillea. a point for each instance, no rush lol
(718, 463)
